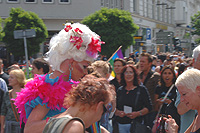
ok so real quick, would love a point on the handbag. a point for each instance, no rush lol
(137, 127)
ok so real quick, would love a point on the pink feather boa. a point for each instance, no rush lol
(52, 95)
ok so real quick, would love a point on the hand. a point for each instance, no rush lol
(168, 101)
(120, 113)
(171, 127)
(160, 101)
(132, 115)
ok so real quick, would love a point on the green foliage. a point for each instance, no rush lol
(1, 34)
(115, 27)
(196, 23)
(21, 20)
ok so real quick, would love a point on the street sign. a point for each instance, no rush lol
(164, 37)
(28, 33)
(148, 34)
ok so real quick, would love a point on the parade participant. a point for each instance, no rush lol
(9, 115)
(150, 80)
(189, 88)
(70, 52)
(187, 115)
(168, 78)
(86, 104)
(133, 100)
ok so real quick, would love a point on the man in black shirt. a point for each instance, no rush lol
(118, 65)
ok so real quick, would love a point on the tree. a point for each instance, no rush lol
(20, 20)
(115, 27)
(1, 34)
(195, 20)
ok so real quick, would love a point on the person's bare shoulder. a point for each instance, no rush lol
(74, 126)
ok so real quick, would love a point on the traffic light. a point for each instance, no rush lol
(193, 44)
(176, 43)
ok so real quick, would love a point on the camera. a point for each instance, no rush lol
(162, 125)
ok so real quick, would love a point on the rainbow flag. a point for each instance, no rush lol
(118, 54)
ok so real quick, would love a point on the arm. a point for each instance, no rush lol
(2, 123)
(157, 104)
(135, 114)
(35, 122)
(103, 130)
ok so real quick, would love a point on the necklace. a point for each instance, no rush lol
(127, 91)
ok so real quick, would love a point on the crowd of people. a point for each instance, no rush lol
(72, 90)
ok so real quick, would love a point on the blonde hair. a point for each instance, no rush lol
(19, 74)
(189, 79)
(103, 65)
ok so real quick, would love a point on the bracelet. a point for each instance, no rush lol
(47, 119)
(140, 113)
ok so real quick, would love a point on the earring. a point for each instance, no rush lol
(70, 72)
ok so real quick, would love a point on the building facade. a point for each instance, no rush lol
(151, 16)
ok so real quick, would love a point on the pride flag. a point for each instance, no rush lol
(117, 54)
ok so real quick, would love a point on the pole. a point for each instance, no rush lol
(26, 53)
(171, 48)
(114, 53)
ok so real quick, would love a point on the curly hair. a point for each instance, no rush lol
(91, 90)
(136, 76)
(60, 47)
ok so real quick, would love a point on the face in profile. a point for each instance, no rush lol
(36, 71)
(79, 69)
(12, 80)
(189, 97)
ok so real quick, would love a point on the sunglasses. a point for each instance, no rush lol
(104, 109)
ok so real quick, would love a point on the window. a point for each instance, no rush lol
(153, 9)
(30, 1)
(47, 1)
(13, 1)
(102, 3)
(64, 1)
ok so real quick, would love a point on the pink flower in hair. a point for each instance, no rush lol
(95, 45)
(77, 30)
(68, 27)
(77, 41)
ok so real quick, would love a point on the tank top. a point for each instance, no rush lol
(57, 125)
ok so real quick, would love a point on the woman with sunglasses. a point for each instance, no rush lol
(86, 103)
(129, 107)
(70, 52)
